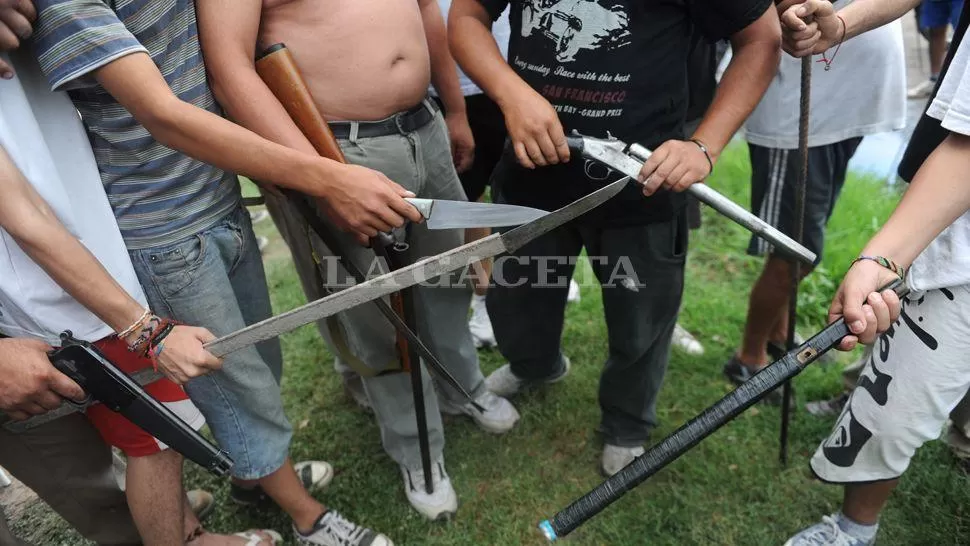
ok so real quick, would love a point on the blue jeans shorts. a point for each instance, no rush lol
(215, 280)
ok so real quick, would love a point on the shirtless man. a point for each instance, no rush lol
(368, 65)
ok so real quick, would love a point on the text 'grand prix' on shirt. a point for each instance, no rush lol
(611, 65)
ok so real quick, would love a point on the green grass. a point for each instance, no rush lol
(729, 490)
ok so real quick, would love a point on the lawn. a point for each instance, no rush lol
(728, 490)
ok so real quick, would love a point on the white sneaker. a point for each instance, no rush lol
(505, 383)
(334, 530)
(922, 90)
(574, 296)
(686, 342)
(480, 325)
(499, 416)
(827, 533)
(616, 457)
(442, 503)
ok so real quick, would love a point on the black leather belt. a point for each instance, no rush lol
(399, 124)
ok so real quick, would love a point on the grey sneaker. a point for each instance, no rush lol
(499, 416)
(616, 457)
(827, 533)
(506, 384)
(827, 408)
(332, 529)
(442, 502)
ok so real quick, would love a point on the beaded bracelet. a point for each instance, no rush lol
(710, 162)
(885, 262)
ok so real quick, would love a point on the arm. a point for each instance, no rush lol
(811, 26)
(675, 164)
(534, 127)
(918, 219)
(444, 77)
(357, 199)
(33, 225)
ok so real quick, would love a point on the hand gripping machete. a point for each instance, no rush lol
(380, 286)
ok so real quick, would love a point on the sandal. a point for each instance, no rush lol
(252, 535)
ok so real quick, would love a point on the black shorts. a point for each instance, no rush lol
(774, 173)
(488, 128)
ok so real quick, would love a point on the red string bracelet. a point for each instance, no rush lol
(828, 62)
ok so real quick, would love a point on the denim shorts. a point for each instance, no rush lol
(215, 280)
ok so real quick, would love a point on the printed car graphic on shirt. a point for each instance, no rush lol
(574, 25)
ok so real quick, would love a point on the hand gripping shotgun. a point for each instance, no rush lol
(106, 383)
(628, 159)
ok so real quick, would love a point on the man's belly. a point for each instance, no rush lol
(362, 60)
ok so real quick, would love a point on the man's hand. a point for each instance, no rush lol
(16, 24)
(365, 202)
(29, 383)
(674, 166)
(809, 27)
(462, 141)
(183, 357)
(534, 127)
(867, 311)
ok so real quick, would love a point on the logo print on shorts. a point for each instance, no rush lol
(846, 441)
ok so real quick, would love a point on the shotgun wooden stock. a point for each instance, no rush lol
(277, 68)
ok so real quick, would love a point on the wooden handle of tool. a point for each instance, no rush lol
(278, 70)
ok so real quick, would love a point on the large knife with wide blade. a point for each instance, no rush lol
(377, 287)
(420, 271)
(444, 214)
(629, 159)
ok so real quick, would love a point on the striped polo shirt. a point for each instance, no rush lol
(159, 196)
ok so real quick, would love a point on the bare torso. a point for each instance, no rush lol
(362, 59)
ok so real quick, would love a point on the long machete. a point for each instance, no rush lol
(380, 286)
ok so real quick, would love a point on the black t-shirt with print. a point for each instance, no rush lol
(609, 65)
(928, 133)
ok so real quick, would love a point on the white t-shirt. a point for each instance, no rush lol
(500, 30)
(42, 133)
(863, 93)
(946, 261)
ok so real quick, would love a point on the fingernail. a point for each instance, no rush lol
(857, 326)
(6, 75)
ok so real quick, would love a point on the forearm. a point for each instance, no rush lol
(444, 71)
(34, 226)
(937, 196)
(249, 102)
(862, 16)
(136, 83)
(744, 82)
(475, 49)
